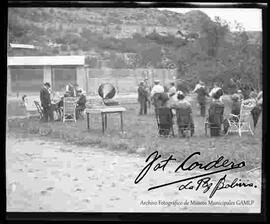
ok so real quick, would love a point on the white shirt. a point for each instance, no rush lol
(197, 87)
(213, 91)
(157, 89)
(172, 90)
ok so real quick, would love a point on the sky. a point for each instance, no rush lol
(250, 19)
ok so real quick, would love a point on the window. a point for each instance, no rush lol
(26, 79)
(61, 76)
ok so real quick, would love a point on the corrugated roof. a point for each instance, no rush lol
(46, 60)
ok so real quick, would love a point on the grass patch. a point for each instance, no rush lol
(141, 137)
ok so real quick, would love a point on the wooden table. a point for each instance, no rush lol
(104, 111)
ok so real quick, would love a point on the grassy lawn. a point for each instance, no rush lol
(141, 136)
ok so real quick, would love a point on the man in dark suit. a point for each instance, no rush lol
(81, 103)
(142, 98)
(45, 100)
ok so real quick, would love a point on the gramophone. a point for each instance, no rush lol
(107, 91)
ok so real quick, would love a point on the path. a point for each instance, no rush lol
(57, 177)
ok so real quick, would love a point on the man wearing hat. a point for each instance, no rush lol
(45, 100)
(142, 98)
(172, 89)
(148, 90)
(201, 96)
(157, 88)
(81, 102)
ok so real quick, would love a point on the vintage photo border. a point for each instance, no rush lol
(141, 216)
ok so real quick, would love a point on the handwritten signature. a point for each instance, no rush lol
(204, 181)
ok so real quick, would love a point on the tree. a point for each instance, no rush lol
(153, 55)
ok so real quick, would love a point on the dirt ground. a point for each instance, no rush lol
(51, 176)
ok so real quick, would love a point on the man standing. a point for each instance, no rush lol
(201, 96)
(80, 103)
(172, 89)
(142, 98)
(148, 90)
(45, 100)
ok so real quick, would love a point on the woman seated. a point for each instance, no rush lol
(215, 113)
(235, 112)
(183, 114)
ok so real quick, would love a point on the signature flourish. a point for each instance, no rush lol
(220, 165)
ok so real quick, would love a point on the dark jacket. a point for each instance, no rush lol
(236, 106)
(202, 93)
(216, 110)
(82, 101)
(45, 98)
(142, 94)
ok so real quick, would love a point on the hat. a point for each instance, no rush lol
(157, 81)
(201, 82)
(235, 97)
(47, 84)
(218, 92)
(252, 95)
(80, 90)
(141, 82)
(239, 91)
(146, 78)
(180, 94)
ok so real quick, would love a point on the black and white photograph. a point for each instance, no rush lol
(134, 110)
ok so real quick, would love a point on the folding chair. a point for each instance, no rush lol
(241, 123)
(39, 109)
(215, 120)
(69, 109)
(184, 121)
(164, 118)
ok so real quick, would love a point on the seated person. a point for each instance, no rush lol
(80, 103)
(165, 116)
(240, 94)
(215, 113)
(256, 111)
(235, 110)
(160, 99)
(183, 113)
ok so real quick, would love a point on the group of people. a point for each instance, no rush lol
(176, 100)
(49, 107)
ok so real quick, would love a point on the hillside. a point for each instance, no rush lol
(139, 37)
(44, 26)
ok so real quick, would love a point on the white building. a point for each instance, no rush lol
(27, 74)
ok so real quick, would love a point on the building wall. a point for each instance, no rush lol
(125, 80)
(47, 74)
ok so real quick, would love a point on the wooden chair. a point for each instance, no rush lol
(184, 121)
(215, 119)
(164, 118)
(69, 109)
(39, 109)
(241, 123)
